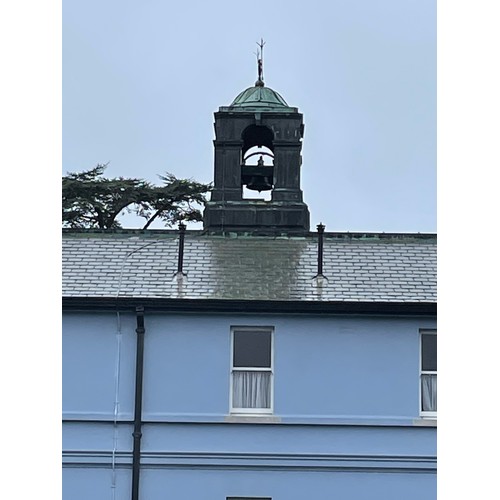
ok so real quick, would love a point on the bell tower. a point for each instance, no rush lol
(258, 142)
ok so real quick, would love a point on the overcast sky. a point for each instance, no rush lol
(142, 79)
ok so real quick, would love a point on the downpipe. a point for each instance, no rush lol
(137, 434)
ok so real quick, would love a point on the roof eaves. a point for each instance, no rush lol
(251, 306)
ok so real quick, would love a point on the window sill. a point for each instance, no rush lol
(425, 422)
(252, 419)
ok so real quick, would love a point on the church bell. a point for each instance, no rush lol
(259, 183)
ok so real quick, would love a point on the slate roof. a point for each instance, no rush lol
(143, 264)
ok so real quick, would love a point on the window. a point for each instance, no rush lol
(248, 498)
(428, 373)
(251, 370)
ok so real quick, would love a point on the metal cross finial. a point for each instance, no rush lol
(260, 58)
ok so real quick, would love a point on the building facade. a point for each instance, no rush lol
(254, 359)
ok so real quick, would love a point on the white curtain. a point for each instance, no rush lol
(251, 389)
(429, 392)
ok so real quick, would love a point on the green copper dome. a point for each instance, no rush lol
(259, 97)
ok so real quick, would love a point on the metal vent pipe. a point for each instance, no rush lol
(180, 259)
(321, 229)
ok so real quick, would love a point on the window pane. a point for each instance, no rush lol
(429, 392)
(251, 389)
(429, 352)
(252, 349)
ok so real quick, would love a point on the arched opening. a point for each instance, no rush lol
(257, 168)
(257, 135)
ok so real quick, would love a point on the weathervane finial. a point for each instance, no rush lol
(260, 59)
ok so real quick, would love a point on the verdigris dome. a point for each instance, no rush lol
(259, 97)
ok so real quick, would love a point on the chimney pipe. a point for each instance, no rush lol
(180, 261)
(321, 229)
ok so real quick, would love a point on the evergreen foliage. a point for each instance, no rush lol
(90, 200)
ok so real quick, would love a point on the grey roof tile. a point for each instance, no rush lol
(375, 267)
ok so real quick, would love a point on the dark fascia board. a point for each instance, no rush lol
(248, 306)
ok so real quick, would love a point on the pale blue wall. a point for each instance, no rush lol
(346, 402)
(89, 356)
(91, 483)
(283, 485)
(218, 483)
(324, 366)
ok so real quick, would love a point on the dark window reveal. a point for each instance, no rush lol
(429, 352)
(252, 349)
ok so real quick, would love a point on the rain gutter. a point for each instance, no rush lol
(156, 304)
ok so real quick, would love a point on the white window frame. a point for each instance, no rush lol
(424, 414)
(252, 411)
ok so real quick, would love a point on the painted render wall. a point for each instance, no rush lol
(219, 483)
(346, 399)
